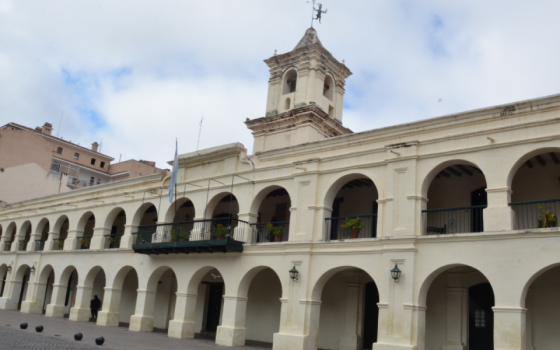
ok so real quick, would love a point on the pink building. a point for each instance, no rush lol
(34, 163)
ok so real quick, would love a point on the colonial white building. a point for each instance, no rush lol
(464, 206)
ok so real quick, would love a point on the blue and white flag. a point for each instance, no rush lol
(174, 174)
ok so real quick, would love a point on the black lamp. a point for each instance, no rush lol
(32, 269)
(9, 268)
(396, 273)
(294, 273)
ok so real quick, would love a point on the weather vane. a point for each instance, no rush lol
(316, 16)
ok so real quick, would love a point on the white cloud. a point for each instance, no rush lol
(184, 57)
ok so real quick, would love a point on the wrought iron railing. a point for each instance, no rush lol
(40, 245)
(536, 214)
(454, 220)
(84, 242)
(58, 243)
(337, 228)
(8, 246)
(22, 246)
(198, 230)
(114, 240)
(278, 232)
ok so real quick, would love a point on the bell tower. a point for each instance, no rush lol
(305, 97)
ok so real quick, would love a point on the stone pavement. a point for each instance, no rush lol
(59, 334)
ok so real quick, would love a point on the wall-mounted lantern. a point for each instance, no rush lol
(396, 273)
(9, 268)
(294, 273)
(33, 269)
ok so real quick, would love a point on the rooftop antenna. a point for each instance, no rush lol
(199, 131)
(59, 123)
(316, 16)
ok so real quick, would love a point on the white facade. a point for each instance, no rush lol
(480, 274)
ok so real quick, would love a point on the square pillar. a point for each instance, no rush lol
(49, 244)
(11, 295)
(98, 240)
(498, 216)
(109, 313)
(35, 303)
(350, 339)
(299, 336)
(455, 318)
(250, 233)
(71, 241)
(81, 310)
(143, 318)
(509, 328)
(56, 307)
(183, 324)
(127, 240)
(232, 330)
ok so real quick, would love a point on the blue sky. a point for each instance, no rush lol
(139, 74)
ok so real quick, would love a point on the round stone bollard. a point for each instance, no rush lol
(78, 336)
(99, 340)
(23, 325)
(39, 329)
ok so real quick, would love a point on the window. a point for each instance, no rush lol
(92, 161)
(479, 319)
(287, 105)
(55, 166)
(290, 82)
(59, 150)
(91, 181)
(102, 164)
(76, 156)
(98, 181)
(328, 90)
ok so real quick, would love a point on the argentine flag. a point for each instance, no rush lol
(173, 174)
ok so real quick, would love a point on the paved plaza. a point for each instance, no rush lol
(59, 333)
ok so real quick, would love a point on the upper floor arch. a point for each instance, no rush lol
(146, 214)
(289, 81)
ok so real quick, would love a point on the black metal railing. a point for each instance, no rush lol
(454, 220)
(536, 214)
(58, 243)
(7, 246)
(339, 228)
(114, 240)
(40, 245)
(22, 246)
(277, 232)
(84, 241)
(198, 230)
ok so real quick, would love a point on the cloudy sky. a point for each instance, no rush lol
(138, 74)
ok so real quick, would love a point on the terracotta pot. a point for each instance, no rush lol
(354, 233)
(222, 237)
(278, 238)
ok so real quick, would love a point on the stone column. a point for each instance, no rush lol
(98, 240)
(183, 324)
(10, 299)
(56, 307)
(127, 240)
(110, 311)
(3, 240)
(34, 304)
(529, 319)
(250, 232)
(349, 341)
(498, 216)
(32, 245)
(143, 318)
(509, 328)
(232, 330)
(71, 241)
(81, 310)
(49, 244)
(299, 327)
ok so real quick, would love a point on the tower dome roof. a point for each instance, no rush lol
(309, 38)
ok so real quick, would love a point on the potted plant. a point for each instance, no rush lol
(8, 245)
(115, 241)
(84, 242)
(60, 244)
(22, 244)
(353, 226)
(220, 231)
(277, 231)
(546, 218)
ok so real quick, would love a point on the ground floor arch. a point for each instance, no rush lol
(459, 310)
(119, 298)
(91, 289)
(64, 293)
(40, 296)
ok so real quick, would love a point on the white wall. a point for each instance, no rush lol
(333, 313)
(545, 309)
(128, 297)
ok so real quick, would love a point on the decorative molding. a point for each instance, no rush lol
(414, 307)
(309, 302)
(509, 310)
(235, 298)
(499, 190)
(418, 197)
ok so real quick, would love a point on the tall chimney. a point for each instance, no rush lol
(94, 146)
(47, 129)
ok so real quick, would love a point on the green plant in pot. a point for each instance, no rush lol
(353, 226)
(8, 245)
(220, 231)
(179, 234)
(546, 218)
(60, 244)
(115, 241)
(84, 242)
(277, 231)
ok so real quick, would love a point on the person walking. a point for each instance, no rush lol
(95, 305)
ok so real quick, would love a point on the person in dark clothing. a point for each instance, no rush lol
(95, 305)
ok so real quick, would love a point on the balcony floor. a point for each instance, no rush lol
(204, 246)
